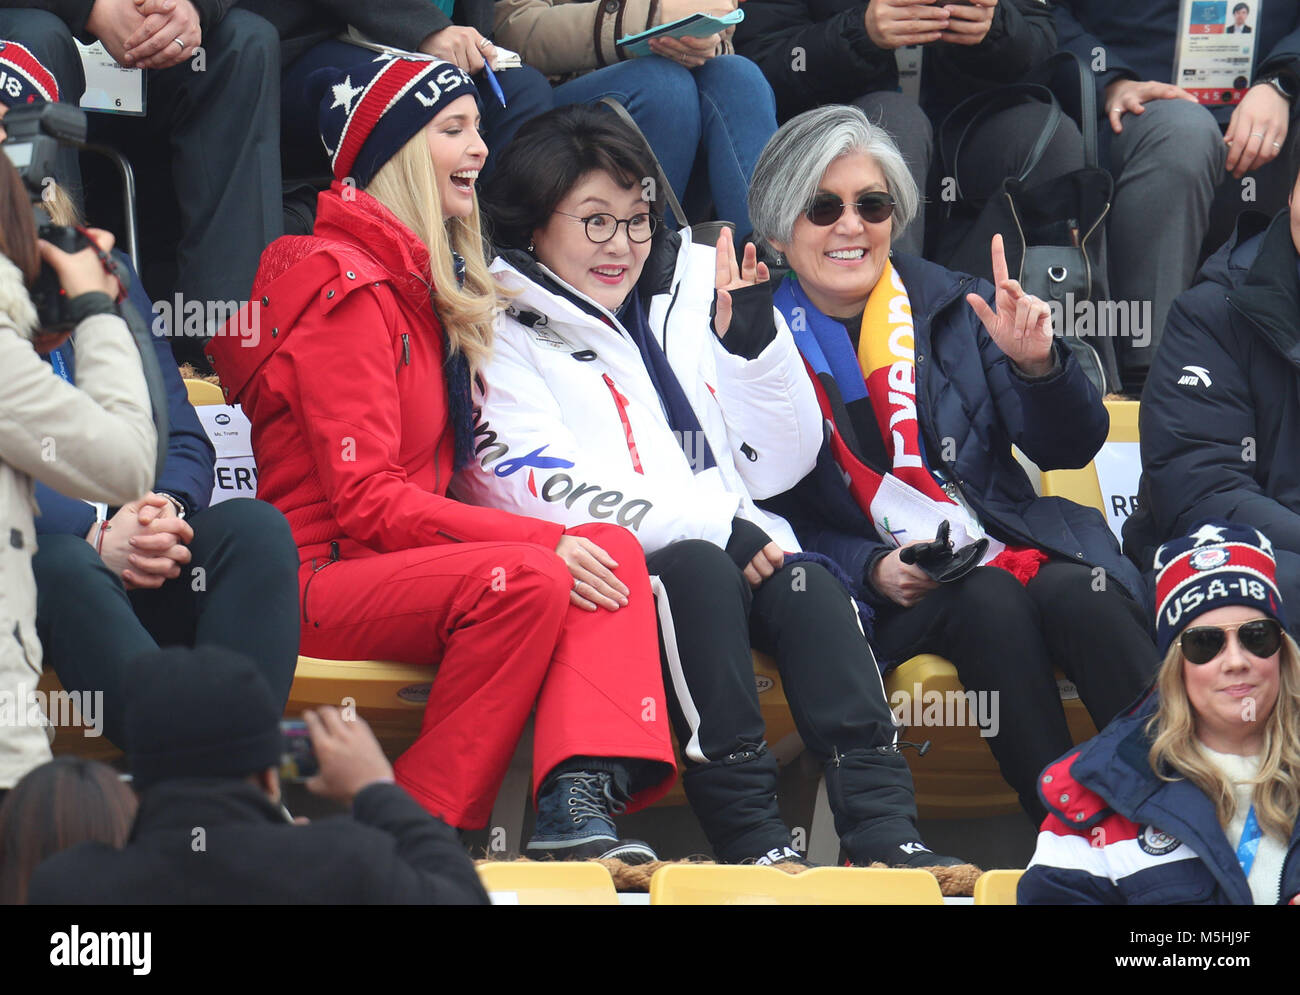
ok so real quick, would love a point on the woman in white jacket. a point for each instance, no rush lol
(95, 441)
(610, 398)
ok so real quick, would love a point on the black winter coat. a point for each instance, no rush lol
(389, 851)
(971, 403)
(838, 62)
(1220, 419)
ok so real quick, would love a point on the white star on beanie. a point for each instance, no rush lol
(344, 94)
(1207, 534)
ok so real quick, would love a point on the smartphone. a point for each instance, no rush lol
(297, 758)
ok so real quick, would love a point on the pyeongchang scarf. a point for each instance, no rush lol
(906, 503)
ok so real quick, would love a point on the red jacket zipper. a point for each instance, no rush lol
(620, 402)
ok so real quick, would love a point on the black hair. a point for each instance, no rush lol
(548, 156)
(1241, 6)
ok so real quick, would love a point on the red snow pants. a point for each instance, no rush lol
(496, 620)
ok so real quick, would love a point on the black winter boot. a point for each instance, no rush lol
(870, 792)
(735, 801)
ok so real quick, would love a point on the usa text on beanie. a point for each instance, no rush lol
(1219, 564)
(23, 80)
(370, 111)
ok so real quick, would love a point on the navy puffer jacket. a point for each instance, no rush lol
(972, 406)
(1116, 834)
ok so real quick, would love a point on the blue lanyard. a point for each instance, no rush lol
(60, 365)
(1249, 845)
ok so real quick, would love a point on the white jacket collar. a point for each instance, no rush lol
(526, 293)
(15, 302)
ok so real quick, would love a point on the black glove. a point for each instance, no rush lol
(940, 561)
(745, 541)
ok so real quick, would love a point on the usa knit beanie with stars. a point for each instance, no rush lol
(370, 110)
(1218, 564)
(23, 79)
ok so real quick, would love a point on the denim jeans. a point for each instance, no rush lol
(725, 108)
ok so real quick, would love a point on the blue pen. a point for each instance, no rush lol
(492, 82)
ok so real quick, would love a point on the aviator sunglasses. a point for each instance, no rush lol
(1259, 637)
(826, 208)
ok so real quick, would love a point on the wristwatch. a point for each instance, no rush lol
(176, 502)
(1284, 85)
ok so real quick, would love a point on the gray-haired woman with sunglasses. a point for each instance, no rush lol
(1193, 796)
(928, 377)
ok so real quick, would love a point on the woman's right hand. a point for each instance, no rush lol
(593, 574)
(902, 583)
(82, 272)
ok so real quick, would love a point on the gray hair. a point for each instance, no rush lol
(796, 158)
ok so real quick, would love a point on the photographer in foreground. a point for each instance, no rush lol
(96, 443)
(205, 751)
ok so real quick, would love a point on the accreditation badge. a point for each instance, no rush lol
(1216, 49)
(110, 88)
(909, 59)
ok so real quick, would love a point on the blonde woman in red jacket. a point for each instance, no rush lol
(353, 362)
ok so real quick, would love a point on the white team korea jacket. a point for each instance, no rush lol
(570, 428)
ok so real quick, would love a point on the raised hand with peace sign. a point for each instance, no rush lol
(1022, 324)
(732, 276)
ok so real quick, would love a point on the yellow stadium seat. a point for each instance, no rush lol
(389, 696)
(715, 884)
(547, 883)
(997, 887)
(1081, 486)
(958, 777)
(203, 392)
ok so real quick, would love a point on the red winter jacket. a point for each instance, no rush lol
(341, 376)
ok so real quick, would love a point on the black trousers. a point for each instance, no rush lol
(802, 617)
(246, 600)
(1005, 638)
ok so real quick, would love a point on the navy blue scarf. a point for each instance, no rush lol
(455, 368)
(677, 407)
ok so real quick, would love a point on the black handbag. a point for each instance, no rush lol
(1053, 232)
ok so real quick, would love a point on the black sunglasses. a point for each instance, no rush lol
(1259, 637)
(871, 207)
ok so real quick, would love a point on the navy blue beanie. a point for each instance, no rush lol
(1218, 564)
(369, 111)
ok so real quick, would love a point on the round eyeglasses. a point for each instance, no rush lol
(602, 227)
